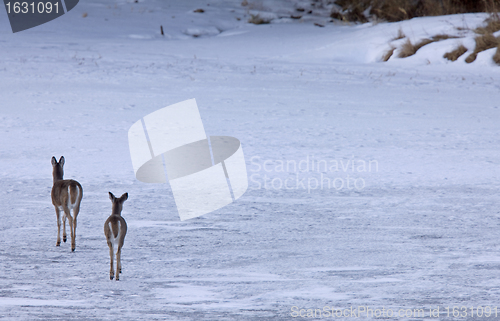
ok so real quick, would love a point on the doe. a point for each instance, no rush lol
(115, 229)
(66, 195)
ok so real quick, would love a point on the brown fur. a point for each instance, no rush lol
(60, 191)
(65, 192)
(115, 226)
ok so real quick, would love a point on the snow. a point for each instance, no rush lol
(421, 233)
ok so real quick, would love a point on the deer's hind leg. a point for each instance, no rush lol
(64, 228)
(118, 262)
(58, 214)
(76, 209)
(67, 213)
(111, 255)
(76, 198)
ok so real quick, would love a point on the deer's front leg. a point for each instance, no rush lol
(111, 254)
(58, 226)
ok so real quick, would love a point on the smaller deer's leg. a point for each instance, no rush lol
(111, 254)
(76, 210)
(73, 236)
(118, 262)
(64, 228)
(58, 214)
(70, 223)
(73, 240)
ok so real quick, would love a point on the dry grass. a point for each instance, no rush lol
(388, 54)
(338, 16)
(424, 42)
(496, 56)
(408, 49)
(258, 20)
(456, 53)
(442, 37)
(397, 10)
(352, 15)
(470, 58)
(400, 35)
(356, 15)
(492, 26)
(392, 10)
(483, 43)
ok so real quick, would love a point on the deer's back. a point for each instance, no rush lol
(115, 228)
(66, 191)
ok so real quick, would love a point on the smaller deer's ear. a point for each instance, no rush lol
(112, 197)
(124, 197)
(61, 161)
(54, 161)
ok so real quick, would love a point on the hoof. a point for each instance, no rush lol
(58, 243)
(72, 250)
(111, 277)
(64, 239)
(117, 279)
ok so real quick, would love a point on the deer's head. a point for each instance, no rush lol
(57, 168)
(117, 203)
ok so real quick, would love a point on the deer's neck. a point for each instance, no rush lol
(57, 176)
(116, 210)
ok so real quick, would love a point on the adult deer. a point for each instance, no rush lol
(66, 195)
(115, 229)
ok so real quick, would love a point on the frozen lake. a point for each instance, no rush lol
(418, 231)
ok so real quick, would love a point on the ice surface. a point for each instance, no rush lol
(422, 233)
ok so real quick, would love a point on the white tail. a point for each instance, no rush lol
(66, 195)
(115, 229)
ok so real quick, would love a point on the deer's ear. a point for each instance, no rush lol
(53, 161)
(112, 197)
(124, 197)
(61, 161)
